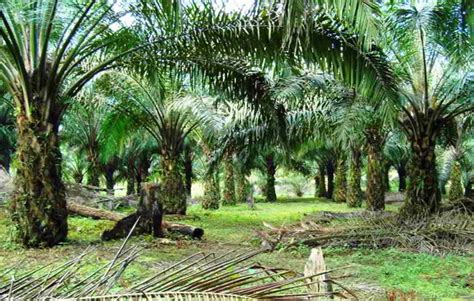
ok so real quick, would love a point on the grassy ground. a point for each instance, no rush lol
(232, 227)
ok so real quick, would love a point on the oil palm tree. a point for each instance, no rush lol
(436, 71)
(49, 50)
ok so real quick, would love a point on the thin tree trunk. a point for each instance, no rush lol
(39, 204)
(229, 184)
(354, 192)
(340, 188)
(402, 178)
(330, 175)
(109, 179)
(270, 192)
(423, 195)
(188, 172)
(172, 184)
(375, 172)
(321, 183)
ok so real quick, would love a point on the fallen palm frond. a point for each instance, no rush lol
(451, 231)
(229, 276)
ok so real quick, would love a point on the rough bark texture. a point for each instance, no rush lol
(93, 173)
(330, 175)
(402, 178)
(386, 177)
(270, 193)
(340, 188)
(242, 187)
(229, 184)
(423, 195)
(455, 183)
(39, 205)
(173, 191)
(150, 212)
(109, 180)
(354, 192)
(321, 183)
(211, 193)
(95, 213)
(375, 193)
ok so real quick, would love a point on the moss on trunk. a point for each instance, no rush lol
(229, 183)
(93, 173)
(172, 186)
(375, 171)
(423, 195)
(211, 193)
(455, 183)
(340, 188)
(354, 192)
(39, 205)
(270, 193)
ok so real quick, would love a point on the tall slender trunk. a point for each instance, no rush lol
(340, 188)
(229, 183)
(93, 174)
(270, 192)
(423, 195)
(188, 172)
(375, 171)
(38, 204)
(320, 180)
(354, 192)
(330, 174)
(402, 178)
(172, 185)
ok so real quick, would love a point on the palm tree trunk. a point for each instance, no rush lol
(341, 182)
(402, 178)
(211, 193)
(386, 176)
(172, 186)
(423, 195)
(242, 186)
(330, 174)
(93, 175)
(229, 184)
(320, 181)
(270, 192)
(455, 183)
(109, 180)
(375, 175)
(131, 185)
(354, 192)
(39, 204)
(188, 172)
(469, 192)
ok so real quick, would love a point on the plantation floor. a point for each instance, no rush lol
(371, 271)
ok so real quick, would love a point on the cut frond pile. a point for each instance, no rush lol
(451, 231)
(198, 277)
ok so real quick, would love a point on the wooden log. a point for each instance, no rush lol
(187, 230)
(94, 213)
(316, 265)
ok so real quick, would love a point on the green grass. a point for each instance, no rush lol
(233, 227)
